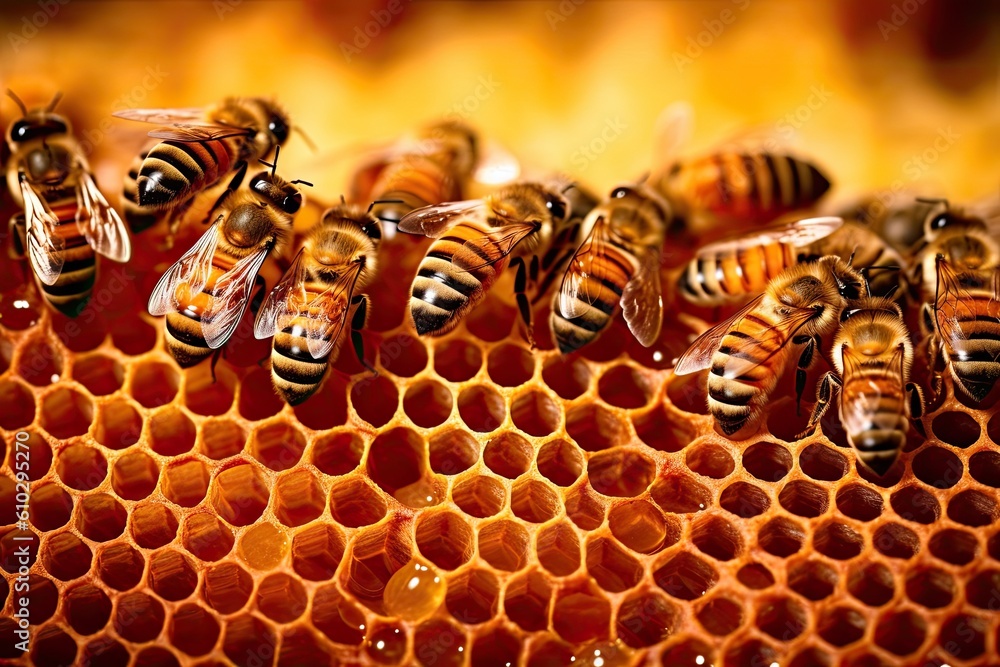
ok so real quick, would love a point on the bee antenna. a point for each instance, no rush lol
(305, 138)
(273, 165)
(868, 285)
(850, 260)
(54, 102)
(888, 295)
(344, 201)
(384, 201)
(932, 200)
(17, 101)
(566, 189)
(299, 180)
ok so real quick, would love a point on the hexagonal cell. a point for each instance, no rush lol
(841, 626)
(386, 643)
(227, 587)
(973, 508)
(496, 646)
(678, 493)
(584, 507)
(133, 336)
(65, 413)
(767, 461)
(396, 459)
(479, 496)
(568, 377)
(171, 432)
(624, 387)
(620, 473)
(812, 579)
(504, 544)
(452, 451)
(611, 567)
(100, 517)
(595, 428)
(783, 618)
(937, 467)
(859, 502)
(36, 457)
(492, 320)
(402, 355)
(689, 652)
(558, 549)
(298, 498)
(87, 609)
(246, 635)
(355, 503)
(482, 408)
(640, 526)
(744, 500)
(720, 616)
(134, 475)
(985, 468)
(12, 545)
(823, 463)
(302, 646)
(957, 429)
(281, 598)
(100, 375)
(206, 537)
(901, 633)
(646, 618)
(428, 403)
(804, 498)
(317, 552)
(837, 540)
(263, 546)
(377, 553)
(375, 400)
(65, 556)
(549, 652)
(327, 408)
(581, 615)
(445, 644)
(717, 538)
(240, 494)
(686, 576)
(338, 453)
(953, 545)
(510, 365)
(781, 537)
(872, 584)
(18, 405)
(710, 461)
(755, 576)
(526, 601)
(445, 539)
(153, 525)
(52, 646)
(258, 400)
(49, 507)
(915, 504)
(894, 540)
(662, 430)
(560, 461)
(185, 483)
(208, 396)
(964, 636)
(278, 445)
(138, 617)
(39, 362)
(930, 587)
(457, 360)
(688, 393)
(337, 617)
(193, 630)
(154, 383)
(535, 413)
(81, 467)
(508, 454)
(171, 575)
(156, 656)
(221, 438)
(43, 598)
(120, 566)
(105, 651)
(118, 425)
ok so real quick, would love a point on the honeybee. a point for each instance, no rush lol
(205, 293)
(901, 226)
(475, 240)
(881, 264)
(748, 353)
(307, 309)
(959, 274)
(872, 355)
(617, 264)
(200, 148)
(65, 218)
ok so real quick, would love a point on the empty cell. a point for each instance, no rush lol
(452, 451)
(972, 508)
(337, 617)
(872, 584)
(621, 473)
(584, 507)
(804, 498)
(457, 360)
(901, 633)
(327, 408)
(482, 408)
(258, 400)
(812, 579)
(837, 540)
(396, 459)
(65, 413)
(100, 517)
(560, 461)
(105, 651)
(710, 461)
(720, 616)
(595, 428)
(428, 403)
(240, 494)
(937, 467)
(750, 652)
(172, 575)
(208, 396)
(263, 546)
(510, 365)
(317, 551)
(859, 502)
(957, 429)
(685, 576)
(781, 537)
(51, 646)
(49, 507)
(983, 590)
(221, 438)
(120, 566)
(39, 362)
(171, 432)
(688, 393)
(298, 498)
(278, 445)
(985, 468)
(152, 525)
(527, 599)
(964, 636)
(783, 618)
(930, 587)
(581, 615)
(227, 587)
(640, 526)
(504, 544)
(535, 413)
(841, 626)
(767, 461)
(355, 503)
(624, 387)
(87, 608)
(823, 463)
(12, 546)
(154, 383)
(663, 430)
(17, 405)
(186, 482)
(302, 646)
(755, 576)
(954, 545)
(36, 460)
(678, 493)
(744, 500)
(558, 548)
(717, 538)
(479, 496)
(610, 566)
(133, 336)
(496, 646)
(134, 475)
(549, 652)
(568, 377)
(689, 652)
(446, 644)
(206, 537)
(915, 504)
(193, 629)
(445, 539)
(896, 541)
(402, 355)
(65, 556)
(646, 618)
(491, 320)
(281, 598)
(246, 635)
(101, 375)
(138, 617)
(338, 453)
(508, 454)
(375, 400)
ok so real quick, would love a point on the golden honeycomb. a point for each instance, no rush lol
(477, 502)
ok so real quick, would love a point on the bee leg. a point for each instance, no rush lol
(358, 321)
(234, 183)
(555, 271)
(916, 406)
(215, 360)
(805, 361)
(17, 236)
(823, 395)
(520, 285)
(927, 323)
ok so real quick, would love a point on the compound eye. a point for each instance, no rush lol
(847, 313)
(373, 231)
(618, 193)
(279, 128)
(556, 207)
(940, 221)
(291, 203)
(258, 183)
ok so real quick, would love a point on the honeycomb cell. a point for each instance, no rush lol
(953, 545)
(558, 549)
(964, 636)
(872, 584)
(317, 552)
(504, 544)
(355, 503)
(81, 467)
(641, 527)
(957, 429)
(646, 618)
(781, 537)
(154, 383)
(445, 539)
(716, 537)
(930, 587)
(510, 365)
(581, 615)
(595, 428)
(804, 498)
(686, 576)
(257, 400)
(767, 461)
(837, 540)
(811, 657)
(584, 508)
(87, 609)
(100, 517)
(396, 464)
(99, 374)
(65, 556)
(496, 647)
(386, 643)
(35, 459)
(301, 646)
(456, 360)
(823, 463)
(620, 473)
(452, 451)
(281, 598)
(479, 496)
(402, 355)
(193, 630)
(337, 617)
(246, 636)
(492, 320)
(185, 483)
(66, 413)
(156, 656)
(535, 413)
(550, 653)
(937, 467)
(118, 425)
(206, 537)
(678, 493)
(375, 400)
(227, 587)
(661, 430)
(972, 508)
(744, 500)
(153, 525)
(534, 501)
(440, 643)
(49, 507)
(901, 633)
(915, 504)
(985, 468)
(240, 494)
(120, 566)
(428, 403)
(12, 545)
(208, 396)
(221, 438)
(338, 453)
(482, 408)
(720, 616)
(40, 363)
(527, 600)
(624, 387)
(18, 405)
(859, 502)
(896, 541)
(104, 652)
(298, 498)
(263, 546)
(687, 393)
(134, 476)
(568, 377)
(415, 591)
(782, 618)
(812, 579)
(560, 461)
(610, 566)
(508, 454)
(841, 626)
(755, 576)
(278, 445)
(472, 596)
(171, 432)
(688, 652)
(710, 461)
(52, 646)
(138, 617)
(377, 553)
(133, 336)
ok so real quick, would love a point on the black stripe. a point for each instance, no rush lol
(738, 334)
(286, 350)
(174, 160)
(478, 251)
(449, 281)
(191, 153)
(775, 180)
(723, 395)
(194, 340)
(612, 286)
(750, 168)
(584, 323)
(796, 182)
(312, 375)
(979, 356)
(724, 190)
(78, 288)
(439, 300)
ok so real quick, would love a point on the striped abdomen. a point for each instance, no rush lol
(138, 219)
(973, 354)
(416, 181)
(732, 275)
(172, 171)
(183, 328)
(755, 187)
(295, 372)
(454, 277)
(71, 291)
(615, 266)
(872, 412)
(737, 402)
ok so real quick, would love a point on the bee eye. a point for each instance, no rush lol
(26, 130)
(258, 184)
(847, 313)
(279, 128)
(291, 203)
(372, 230)
(618, 193)
(940, 221)
(556, 207)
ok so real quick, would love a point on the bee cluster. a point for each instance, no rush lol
(567, 502)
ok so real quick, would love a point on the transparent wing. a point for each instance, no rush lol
(642, 301)
(328, 315)
(506, 238)
(953, 302)
(102, 227)
(799, 234)
(283, 302)
(192, 270)
(44, 243)
(193, 115)
(191, 133)
(434, 221)
(229, 299)
(699, 356)
(585, 268)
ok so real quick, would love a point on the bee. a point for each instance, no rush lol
(617, 264)
(881, 264)
(413, 175)
(901, 226)
(205, 293)
(199, 148)
(959, 275)
(65, 219)
(748, 353)
(475, 241)
(308, 308)
(872, 354)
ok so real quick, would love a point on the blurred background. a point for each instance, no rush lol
(887, 96)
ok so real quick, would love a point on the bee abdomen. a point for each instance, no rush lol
(173, 169)
(418, 182)
(975, 361)
(185, 341)
(296, 373)
(572, 334)
(442, 291)
(138, 218)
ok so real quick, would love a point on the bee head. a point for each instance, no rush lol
(276, 191)
(37, 123)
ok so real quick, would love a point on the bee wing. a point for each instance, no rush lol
(699, 356)
(470, 257)
(642, 302)
(192, 115)
(329, 314)
(229, 299)
(799, 234)
(44, 242)
(434, 221)
(951, 303)
(192, 269)
(192, 133)
(278, 307)
(585, 263)
(103, 228)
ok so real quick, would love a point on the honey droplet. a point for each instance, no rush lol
(415, 591)
(263, 547)
(422, 493)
